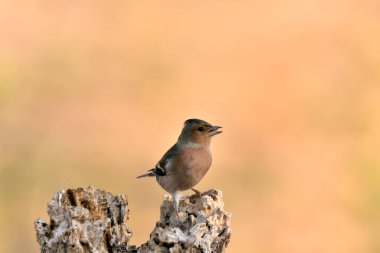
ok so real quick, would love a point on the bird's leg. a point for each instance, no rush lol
(176, 197)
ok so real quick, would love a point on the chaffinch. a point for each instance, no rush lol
(187, 161)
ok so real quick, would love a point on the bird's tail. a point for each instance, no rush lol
(150, 173)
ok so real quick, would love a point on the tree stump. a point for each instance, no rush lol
(92, 220)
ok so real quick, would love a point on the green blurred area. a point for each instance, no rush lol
(93, 93)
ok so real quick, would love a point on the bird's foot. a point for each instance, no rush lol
(199, 194)
(174, 219)
(177, 219)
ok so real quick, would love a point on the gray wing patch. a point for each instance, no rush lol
(161, 168)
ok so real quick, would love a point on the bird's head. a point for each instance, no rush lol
(198, 131)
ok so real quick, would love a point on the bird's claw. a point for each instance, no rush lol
(197, 193)
(200, 194)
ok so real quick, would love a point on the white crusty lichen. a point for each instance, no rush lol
(84, 220)
(92, 220)
(201, 226)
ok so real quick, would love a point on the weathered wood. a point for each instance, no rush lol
(92, 220)
(85, 220)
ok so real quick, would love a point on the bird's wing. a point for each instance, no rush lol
(162, 167)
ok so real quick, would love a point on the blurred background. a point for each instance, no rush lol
(94, 92)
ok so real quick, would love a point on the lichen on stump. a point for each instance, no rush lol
(201, 226)
(85, 220)
(92, 220)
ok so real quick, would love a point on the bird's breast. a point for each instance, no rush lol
(195, 165)
(186, 170)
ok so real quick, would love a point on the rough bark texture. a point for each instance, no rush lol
(92, 220)
(201, 226)
(85, 220)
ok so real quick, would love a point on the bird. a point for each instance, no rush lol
(187, 161)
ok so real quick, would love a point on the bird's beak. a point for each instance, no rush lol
(213, 130)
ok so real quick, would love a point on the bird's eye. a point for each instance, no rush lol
(200, 129)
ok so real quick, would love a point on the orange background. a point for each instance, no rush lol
(94, 92)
